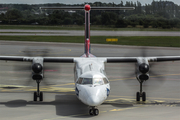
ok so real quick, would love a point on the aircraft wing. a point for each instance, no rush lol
(135, 59)
(103, 59)
(164, 58)
(45, 59)
(12, 58)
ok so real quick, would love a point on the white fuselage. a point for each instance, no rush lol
(91, 84)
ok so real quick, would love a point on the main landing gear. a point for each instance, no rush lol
(141, 94)
(93, 111)
(38, 94)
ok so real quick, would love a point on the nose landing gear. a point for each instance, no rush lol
(141, 94)
(93, 111)
(38, 94)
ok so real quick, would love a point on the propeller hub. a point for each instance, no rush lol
(37, 68)
(144, 68)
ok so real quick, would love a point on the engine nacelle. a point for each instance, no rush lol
(142, 77)
(37, 76)
(37, 68)
(142, 69)
(142, 65)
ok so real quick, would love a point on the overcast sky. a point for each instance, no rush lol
(77, 1)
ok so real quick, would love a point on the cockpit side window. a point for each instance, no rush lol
(87, 81)
(80, 80)
(105, 81)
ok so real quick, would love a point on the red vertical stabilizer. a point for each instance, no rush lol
(87, 9)
(87, 44)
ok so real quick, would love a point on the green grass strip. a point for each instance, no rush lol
(163, 41)
(77, 27)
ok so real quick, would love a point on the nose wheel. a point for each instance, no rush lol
(38, 94)
(93, 111)
(141, 94)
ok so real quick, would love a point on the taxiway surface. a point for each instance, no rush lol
(60, 102)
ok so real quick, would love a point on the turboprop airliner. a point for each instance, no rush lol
(92, 86)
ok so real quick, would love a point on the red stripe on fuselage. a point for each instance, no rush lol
(87, 47)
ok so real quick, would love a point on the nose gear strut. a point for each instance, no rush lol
(141, 94)
(38, 94)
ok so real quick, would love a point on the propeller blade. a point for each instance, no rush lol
(36, 52)
(29, 52)
(154, 68)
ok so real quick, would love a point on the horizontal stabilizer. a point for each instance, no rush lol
(92, 8)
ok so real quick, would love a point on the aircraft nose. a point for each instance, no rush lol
(93, 101)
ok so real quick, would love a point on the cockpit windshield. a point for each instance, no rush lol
(95, 81)
(87, 81)
(98, 81)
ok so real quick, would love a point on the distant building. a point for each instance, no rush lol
(3, 10)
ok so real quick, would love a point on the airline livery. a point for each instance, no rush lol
(92, 86)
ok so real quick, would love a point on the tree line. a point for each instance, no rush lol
(158, 14)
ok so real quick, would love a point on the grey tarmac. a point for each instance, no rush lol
(60, 101)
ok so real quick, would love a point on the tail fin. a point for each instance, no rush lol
(87, 30)
(87, 8)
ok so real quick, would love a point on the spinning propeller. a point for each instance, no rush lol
(153, 68)
(35, 68)
(149, 68)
